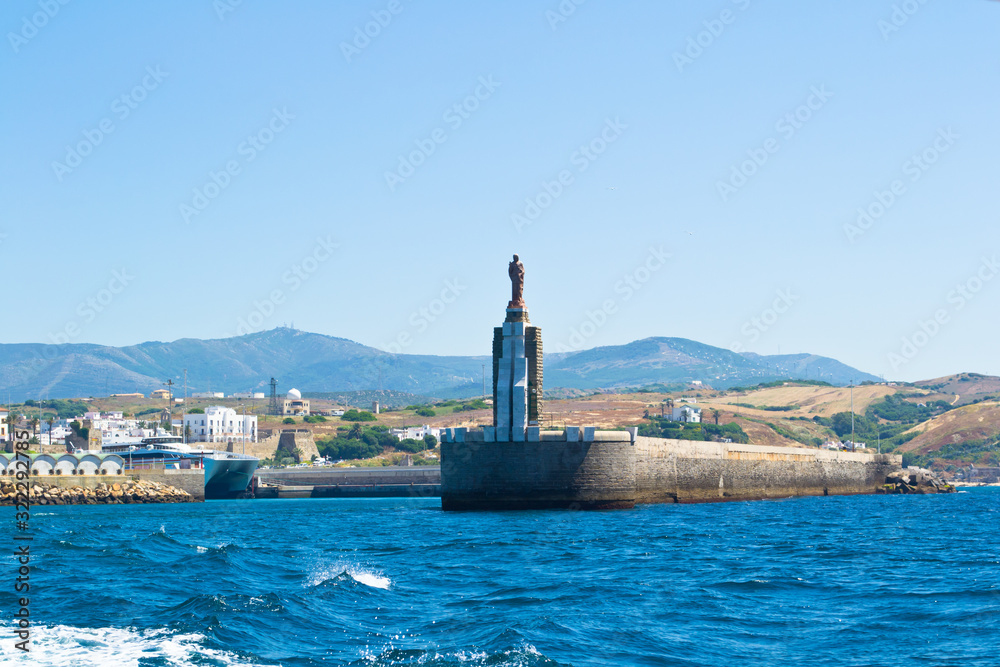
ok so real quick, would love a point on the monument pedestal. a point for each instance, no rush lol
(517, 374)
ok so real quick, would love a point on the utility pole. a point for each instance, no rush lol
(185, 385)
(852, 415)
(484, 382)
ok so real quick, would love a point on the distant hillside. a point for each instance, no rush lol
(318, 363)
(671, 360)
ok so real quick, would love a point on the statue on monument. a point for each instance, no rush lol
(516, 272)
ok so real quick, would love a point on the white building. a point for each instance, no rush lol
(208, 394)
(415, 432)
(3, 425)
(686, 414)
(248, 394)
(220, 424)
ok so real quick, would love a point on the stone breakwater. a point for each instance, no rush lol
(589, 469)
(915, 480)
(117, 493)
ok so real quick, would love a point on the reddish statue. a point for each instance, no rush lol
(516, 272)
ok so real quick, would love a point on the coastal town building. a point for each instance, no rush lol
(686, 414)
(3, 426)
(159, 393)
(415, 432)
(248, 394)
(220, 424)
(294, 404)
(208, 394)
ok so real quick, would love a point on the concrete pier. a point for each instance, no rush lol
(588, 469)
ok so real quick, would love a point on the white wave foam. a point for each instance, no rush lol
(66, 646)
(362, 575)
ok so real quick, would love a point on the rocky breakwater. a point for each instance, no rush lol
(118, 493)
(915, 480)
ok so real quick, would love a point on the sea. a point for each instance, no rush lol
(862, 580)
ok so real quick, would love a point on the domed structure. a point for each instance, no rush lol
(294, 394)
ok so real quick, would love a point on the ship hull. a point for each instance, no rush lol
(228, 477)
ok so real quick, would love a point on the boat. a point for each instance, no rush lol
(227, 474)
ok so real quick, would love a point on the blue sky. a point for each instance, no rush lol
(663, 169)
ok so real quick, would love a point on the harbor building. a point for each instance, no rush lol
(294, 404)
(220, 424)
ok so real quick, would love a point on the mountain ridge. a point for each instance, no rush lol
(322, 363)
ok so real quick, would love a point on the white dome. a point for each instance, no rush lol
(294, 394)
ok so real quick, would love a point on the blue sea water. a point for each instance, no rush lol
(865, 580)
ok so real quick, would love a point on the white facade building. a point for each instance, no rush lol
(3, 426)
(220, 424)
(208, 394)
(248, 394)
(686, 414)
(415, 432)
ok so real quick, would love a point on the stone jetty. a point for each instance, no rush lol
(117, 493)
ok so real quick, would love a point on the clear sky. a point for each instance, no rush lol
(201, 169)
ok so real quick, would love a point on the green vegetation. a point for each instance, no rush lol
(769, 408)
(287, 420)
(314, 419)
(661, 427)
(885, 421)
(360, 442)
(194, 411)
(781, 383)
(425, 412)
(64, 408)
(983, 452)
(353, 415)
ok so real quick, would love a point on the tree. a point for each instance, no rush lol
(357, 430)
(298, 454)
(287, 420)
(50, 421)
(34, 427)
(715, 415)
(430, 441)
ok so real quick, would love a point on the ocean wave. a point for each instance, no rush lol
(521, 656)
(68, 646)
(348, 572)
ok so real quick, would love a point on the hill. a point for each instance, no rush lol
(319, 363)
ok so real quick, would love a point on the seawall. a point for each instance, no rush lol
(614, 470)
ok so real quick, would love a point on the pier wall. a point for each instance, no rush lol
(609, 470)
(687, 471)
(192, 481)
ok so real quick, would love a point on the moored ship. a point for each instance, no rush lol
(227, 474)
